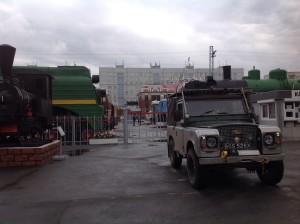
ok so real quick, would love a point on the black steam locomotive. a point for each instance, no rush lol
(25, 100)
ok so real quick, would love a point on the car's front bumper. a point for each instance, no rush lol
(241, 159)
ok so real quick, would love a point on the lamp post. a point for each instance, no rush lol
(125, 120)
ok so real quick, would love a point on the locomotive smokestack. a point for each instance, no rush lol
(227, 72)
(7, 55)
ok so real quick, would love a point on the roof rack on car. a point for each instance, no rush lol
(211, 87)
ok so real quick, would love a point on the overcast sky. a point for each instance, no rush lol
(94, 33)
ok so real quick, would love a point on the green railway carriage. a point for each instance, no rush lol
(277, 81)
(73, 92)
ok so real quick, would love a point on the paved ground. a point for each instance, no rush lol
(133, 183)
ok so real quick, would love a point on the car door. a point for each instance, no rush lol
(178, 135)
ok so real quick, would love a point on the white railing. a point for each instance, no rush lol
(78, 130)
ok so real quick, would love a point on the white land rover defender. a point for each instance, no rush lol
(214, 124)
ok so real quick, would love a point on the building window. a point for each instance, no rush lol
(265, 110)
(155, 97)
(291, 110)
(289, 105)
(190, 75)
(156, 78)
(272, 110)
(268, 111)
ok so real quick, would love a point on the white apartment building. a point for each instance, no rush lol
(123, 84)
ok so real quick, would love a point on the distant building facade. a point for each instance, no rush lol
(123, 84)
(280, 108)
(293, 75)
(151, 93)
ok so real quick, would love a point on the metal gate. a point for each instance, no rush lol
(140, 129)
(78, 130)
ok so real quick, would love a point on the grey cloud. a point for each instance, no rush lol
(54, 35)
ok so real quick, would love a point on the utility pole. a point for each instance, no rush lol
(212, 54)
(125, 123)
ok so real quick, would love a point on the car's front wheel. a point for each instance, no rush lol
(195, 171)
(271, 173)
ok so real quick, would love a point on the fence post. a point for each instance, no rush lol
(125, 123)
(94, 125)
(73, 131)
(56, 126)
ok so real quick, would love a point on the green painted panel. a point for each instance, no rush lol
(279, 74)
(71, 83)
(87, 112)
(267, 85)
(253, 74)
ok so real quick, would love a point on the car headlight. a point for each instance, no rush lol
(211, 142)
(269, 139)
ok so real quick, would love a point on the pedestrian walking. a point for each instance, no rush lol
(134, 118)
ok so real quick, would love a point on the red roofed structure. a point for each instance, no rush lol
(149, 93)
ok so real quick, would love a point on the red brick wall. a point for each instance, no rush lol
(29, 156)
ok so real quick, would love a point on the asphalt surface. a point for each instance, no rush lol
(134, 183)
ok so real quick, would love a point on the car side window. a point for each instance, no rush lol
(180, 108)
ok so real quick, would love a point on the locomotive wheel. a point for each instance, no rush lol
(86, 135)
(174, 158)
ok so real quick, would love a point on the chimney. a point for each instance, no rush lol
(227, 72)
(7, 55)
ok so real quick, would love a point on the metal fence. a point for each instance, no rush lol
(128, 129)
(141, 129)
(77, 130)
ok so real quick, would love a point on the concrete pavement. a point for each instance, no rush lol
(133, 183)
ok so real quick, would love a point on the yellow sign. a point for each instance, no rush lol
(236, 132)
(59, 102)
(224, 154)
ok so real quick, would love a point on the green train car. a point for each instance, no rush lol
(73, 92)
(277, 81)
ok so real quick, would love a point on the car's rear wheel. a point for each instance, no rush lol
(174, 158)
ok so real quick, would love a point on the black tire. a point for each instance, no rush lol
(273, 173)
(174, 158)
(196, 173)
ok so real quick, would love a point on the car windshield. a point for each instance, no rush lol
(215, 107)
